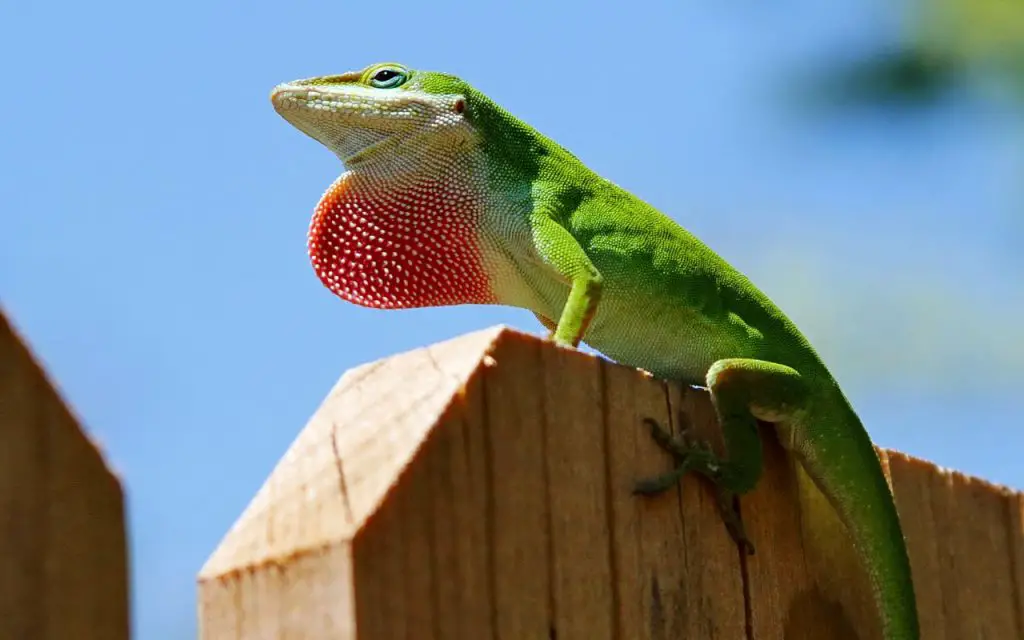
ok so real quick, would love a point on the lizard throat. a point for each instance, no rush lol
(391, 245)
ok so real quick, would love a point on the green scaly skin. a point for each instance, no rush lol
(449, 199)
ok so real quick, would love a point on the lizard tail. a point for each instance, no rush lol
(844, 499)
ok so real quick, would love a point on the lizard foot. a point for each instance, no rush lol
(693, 455)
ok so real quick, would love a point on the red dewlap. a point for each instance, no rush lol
(394, 246)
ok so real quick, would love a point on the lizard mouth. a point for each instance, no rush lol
(344, 121)
(289, 96)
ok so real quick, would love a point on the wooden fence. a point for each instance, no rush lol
(480, 488)
(63, 557)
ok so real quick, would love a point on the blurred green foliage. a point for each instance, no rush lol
(946, 45)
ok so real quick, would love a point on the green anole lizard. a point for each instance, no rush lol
(448, 199)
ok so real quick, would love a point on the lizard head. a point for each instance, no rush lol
(413, 221)
(402, 227)
(386, 112)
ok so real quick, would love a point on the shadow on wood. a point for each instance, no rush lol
(63, 554)
(481, 488)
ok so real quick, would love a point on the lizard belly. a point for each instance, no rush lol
(670, 342)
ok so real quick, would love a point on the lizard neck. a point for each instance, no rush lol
(402, 240)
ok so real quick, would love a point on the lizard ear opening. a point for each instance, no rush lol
(460, 105)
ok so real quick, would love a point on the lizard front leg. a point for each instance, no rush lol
(560, 251)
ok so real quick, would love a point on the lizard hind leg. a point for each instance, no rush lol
(743, 391)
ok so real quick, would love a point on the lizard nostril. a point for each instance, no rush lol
(460, 105)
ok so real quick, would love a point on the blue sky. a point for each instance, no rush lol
(152, 245)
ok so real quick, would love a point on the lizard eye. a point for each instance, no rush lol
(388, 78)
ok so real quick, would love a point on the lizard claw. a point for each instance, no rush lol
(729, 508)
